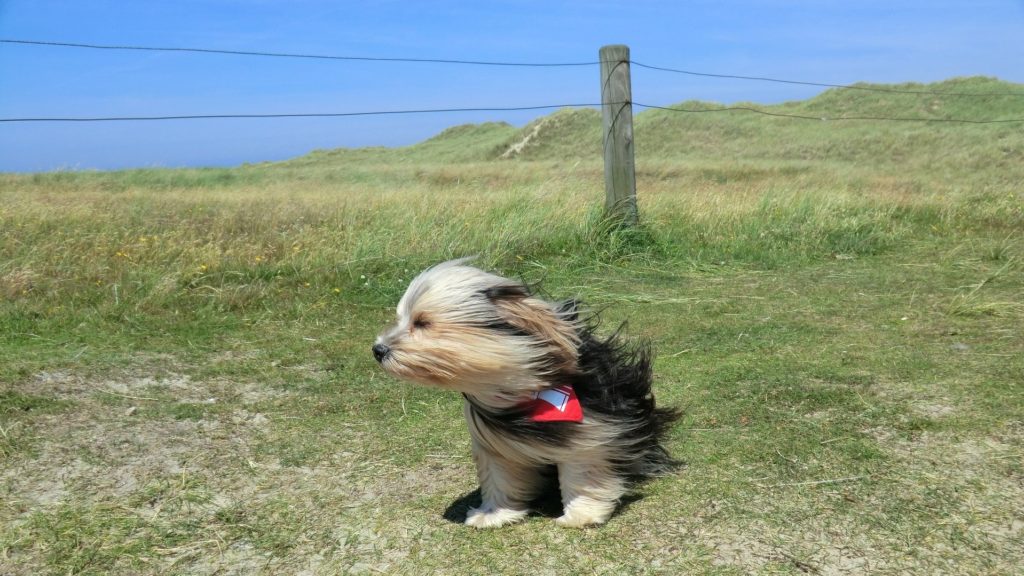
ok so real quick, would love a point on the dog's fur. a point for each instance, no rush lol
(491, 339)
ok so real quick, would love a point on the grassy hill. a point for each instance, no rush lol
(738, 135)
(463, 143)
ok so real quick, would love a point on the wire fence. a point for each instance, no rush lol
(299, 115)
(510, 109)
(718, 109)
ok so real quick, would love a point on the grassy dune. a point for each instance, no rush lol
(186, 384)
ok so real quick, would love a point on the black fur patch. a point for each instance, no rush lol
(505, 327)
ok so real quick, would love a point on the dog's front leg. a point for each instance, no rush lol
(590, 492)
(505, 487)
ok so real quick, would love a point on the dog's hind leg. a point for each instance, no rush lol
(505, 486)
(590, 492)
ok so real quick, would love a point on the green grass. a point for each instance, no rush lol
(186, 384)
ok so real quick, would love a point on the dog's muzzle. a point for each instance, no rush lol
(380, 352)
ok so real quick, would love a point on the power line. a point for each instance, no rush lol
(822, 84)
(293, 55)
(828, 118)
(296, 115)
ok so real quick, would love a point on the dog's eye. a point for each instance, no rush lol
(420, 323)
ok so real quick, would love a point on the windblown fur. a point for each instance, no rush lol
(491, 339)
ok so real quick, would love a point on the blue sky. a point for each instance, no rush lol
(823, 41)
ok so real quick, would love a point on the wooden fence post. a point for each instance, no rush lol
(617, 112)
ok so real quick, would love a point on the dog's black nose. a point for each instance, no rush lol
(380, 351)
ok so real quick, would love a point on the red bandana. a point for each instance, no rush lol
(558, 404)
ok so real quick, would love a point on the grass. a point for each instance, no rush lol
(186, 384)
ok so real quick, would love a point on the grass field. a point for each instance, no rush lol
(186, 384)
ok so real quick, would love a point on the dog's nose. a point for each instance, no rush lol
(380, 351)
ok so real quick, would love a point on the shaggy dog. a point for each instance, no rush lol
(542, 393)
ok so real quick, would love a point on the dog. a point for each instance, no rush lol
(542, 393)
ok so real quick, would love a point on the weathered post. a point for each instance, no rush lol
(617, 112)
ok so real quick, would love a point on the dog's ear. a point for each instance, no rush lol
(505, 291)
(537, 318)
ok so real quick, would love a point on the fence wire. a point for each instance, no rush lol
(726, 109)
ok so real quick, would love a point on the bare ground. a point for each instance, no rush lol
(197, 495)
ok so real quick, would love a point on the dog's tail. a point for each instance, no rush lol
(655, 461)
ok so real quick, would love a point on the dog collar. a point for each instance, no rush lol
(558, 404)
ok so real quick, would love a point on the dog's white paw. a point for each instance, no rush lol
(585, 512)
(579, 520)
(493, 517)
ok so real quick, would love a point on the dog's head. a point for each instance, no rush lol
(462, 328)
